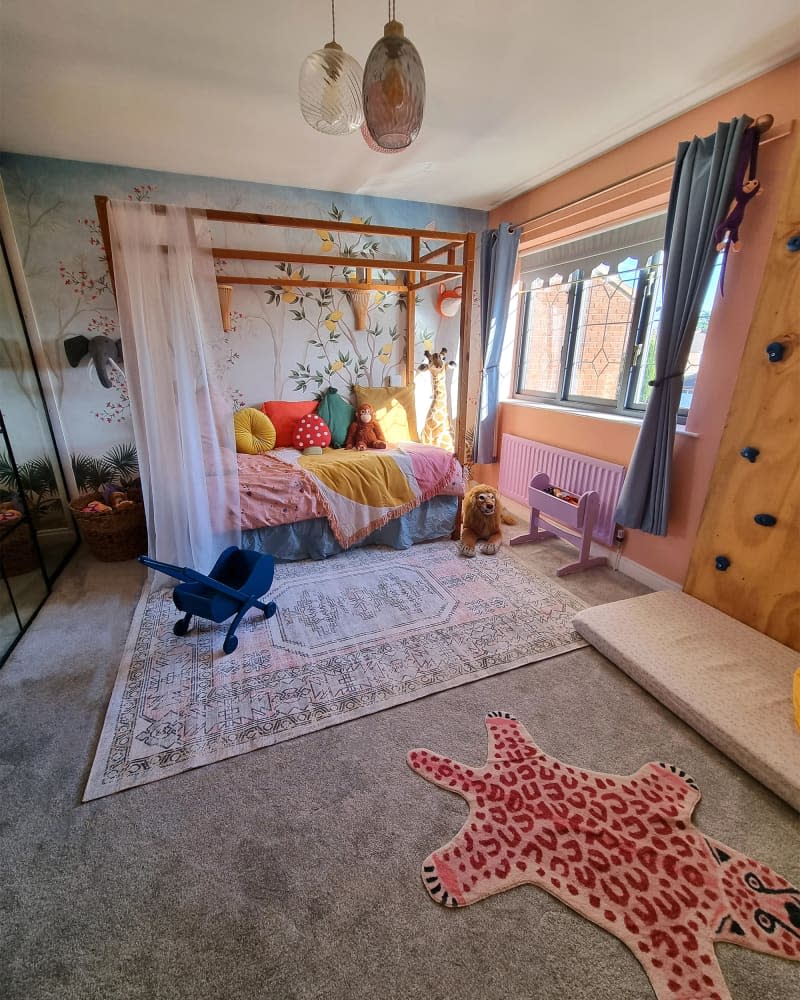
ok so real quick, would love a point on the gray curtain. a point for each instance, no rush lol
(498, 262)
(702, 189)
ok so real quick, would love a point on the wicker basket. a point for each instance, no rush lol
(18, 551)
(113, 536)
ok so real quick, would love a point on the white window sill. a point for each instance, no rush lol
(617, 418)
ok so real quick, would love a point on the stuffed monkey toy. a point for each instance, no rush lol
(726, 235)
(365, 431)
(730, 224)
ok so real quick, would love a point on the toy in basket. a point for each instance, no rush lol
(233, 586)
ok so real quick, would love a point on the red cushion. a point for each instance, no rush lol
(312, 431)
(285, 417)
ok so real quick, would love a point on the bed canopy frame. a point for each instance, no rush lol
(419, 270)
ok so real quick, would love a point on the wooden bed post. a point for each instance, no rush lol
(101, 204)
(465, 334)
(468, 284)
(411, 314)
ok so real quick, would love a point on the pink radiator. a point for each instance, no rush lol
(521, 459)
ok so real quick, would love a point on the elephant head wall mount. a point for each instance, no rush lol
(105, 353)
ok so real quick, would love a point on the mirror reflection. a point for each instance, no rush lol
(37, 532)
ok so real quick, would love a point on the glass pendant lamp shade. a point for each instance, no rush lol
(393, 89)
(372, 144)
(330, 91)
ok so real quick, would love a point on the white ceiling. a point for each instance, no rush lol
(517, 92)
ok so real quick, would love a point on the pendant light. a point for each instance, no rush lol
(394, 88)
(330, 88)
(372, 144)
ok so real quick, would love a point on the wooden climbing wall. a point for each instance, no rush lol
(761, 586)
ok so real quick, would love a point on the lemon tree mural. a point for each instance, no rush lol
(335, 352)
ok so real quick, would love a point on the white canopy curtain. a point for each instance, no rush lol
(183, 425)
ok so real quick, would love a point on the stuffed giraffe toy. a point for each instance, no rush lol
(438, 429)
(620, 850)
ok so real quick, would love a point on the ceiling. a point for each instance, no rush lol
(517, 91)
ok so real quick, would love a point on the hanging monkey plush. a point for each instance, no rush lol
(730, 224)
(743, 193)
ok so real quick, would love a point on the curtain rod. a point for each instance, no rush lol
(763, 123)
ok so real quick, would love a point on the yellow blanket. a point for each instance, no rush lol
(368, 477)
(360, 491)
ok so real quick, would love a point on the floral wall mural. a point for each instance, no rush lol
(285, 341)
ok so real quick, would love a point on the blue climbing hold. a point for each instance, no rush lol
(722, 563)
(775, 351)
(765, 520)
(751, 454)
(793, 243)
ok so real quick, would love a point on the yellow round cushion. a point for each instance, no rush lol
(254, 431)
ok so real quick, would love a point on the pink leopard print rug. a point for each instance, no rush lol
(621, 851)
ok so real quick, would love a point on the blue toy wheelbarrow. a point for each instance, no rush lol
(233, 586)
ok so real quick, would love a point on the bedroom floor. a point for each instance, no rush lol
(293, 872)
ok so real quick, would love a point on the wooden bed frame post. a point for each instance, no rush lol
(101, 204)
(411, 314)
(465, 333)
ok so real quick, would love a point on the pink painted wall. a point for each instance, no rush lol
(776, 93)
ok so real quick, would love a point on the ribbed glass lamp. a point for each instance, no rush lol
(330, 88)
(394, 89)
(372, 144)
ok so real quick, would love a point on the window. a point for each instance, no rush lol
(589, 316)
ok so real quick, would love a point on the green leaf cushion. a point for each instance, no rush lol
(337, 414)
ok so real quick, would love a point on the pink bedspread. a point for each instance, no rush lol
(274, 490)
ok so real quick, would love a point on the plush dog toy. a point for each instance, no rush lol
(365, 431)
(482, 515)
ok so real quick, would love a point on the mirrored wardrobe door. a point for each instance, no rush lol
(37, 531)
(24, 585)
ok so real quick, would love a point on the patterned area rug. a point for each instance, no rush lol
(356, 634)
(620, 850)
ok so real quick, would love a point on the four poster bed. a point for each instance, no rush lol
(295, 506)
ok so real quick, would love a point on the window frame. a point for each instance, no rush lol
(633, 357)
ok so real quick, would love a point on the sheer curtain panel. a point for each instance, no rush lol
(183, 424)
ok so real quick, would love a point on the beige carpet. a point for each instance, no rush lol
(364, 632)
(293, 873)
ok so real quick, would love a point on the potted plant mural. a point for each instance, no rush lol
(37, 481)
(120, 466)
(109, 510)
